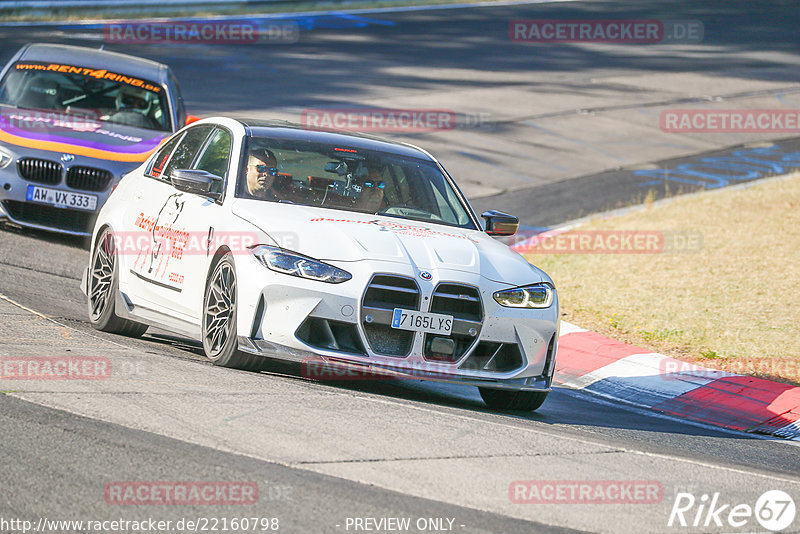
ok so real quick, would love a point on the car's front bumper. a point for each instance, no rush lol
(271, 324)
(15, 206)
(337, 368)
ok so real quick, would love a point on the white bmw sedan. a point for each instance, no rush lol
(264, 239)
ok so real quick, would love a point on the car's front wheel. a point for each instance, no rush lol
(102, 290)
(220, 343)
(522, 401)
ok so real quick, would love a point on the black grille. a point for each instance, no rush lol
(42, 171)
(64, 219)
(385, 293)
(494, 357)
(390, 292)
(88, 178)
(462, 302)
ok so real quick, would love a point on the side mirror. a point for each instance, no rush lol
(190, 119)
(499, 223)
(198, 182)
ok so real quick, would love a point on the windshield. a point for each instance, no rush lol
(345, 178)
(100, 94)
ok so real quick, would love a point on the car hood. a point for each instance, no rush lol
(75, 134)
(342, 236)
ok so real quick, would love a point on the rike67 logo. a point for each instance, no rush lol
(774, 510)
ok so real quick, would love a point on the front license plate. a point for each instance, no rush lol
(61, 199)
(434, 323)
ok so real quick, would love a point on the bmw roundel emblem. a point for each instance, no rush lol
(425, 275)
(66, 158)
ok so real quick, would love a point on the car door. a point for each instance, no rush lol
(205, 220)
(158, 210)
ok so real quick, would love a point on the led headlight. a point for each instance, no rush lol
(287, 262)
(532, 296)
(5, 158)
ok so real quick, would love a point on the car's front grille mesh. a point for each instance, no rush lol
(38, 170)
(385, 293)
(49, 216)
(88, 178)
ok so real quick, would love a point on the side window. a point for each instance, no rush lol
(158, 163)
(190, 145)
(217, 154)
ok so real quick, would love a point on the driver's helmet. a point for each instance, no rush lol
(133, 99)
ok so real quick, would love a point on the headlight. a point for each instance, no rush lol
(5, 158)
(286, 262)
(532, 296)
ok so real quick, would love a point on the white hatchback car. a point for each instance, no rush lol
(265, 239)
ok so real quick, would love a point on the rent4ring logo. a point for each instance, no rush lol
(774, 510)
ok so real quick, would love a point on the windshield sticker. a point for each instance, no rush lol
(100, 74)
(397, 228)
(29, 129)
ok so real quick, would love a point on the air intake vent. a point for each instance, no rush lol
(331, 335)
(60, 218)
(390, 292)
(383, 295)
(494, 357)
(42, 171)
(88, 178)
(462, 302)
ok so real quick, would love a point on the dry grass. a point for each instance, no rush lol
(733, 305)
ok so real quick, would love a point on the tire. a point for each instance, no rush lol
(220, 342)
(103, 288)
(508, 400)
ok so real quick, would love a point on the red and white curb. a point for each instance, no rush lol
(612, 369)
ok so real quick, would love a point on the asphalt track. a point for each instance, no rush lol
(321, 453)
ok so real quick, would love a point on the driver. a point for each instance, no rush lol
(133, 99)
(371, 199)
(133, 107)
(262, 168)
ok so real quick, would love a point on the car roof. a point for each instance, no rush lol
(289, 130)
(95, 58)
